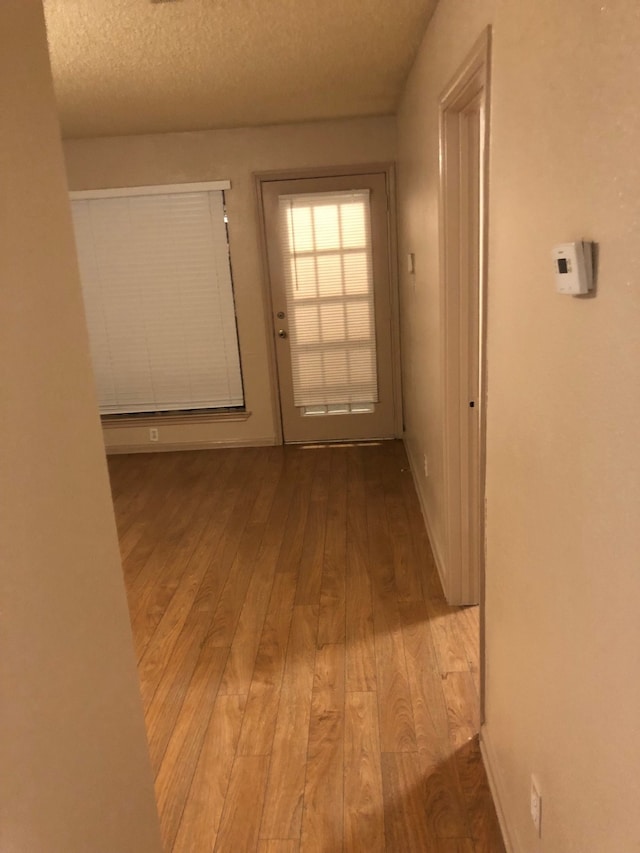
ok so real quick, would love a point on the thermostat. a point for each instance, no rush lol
(573, 267)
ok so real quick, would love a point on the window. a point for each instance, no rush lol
(156, 280)
(329, 288)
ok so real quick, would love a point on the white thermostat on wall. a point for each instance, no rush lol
(574, 267)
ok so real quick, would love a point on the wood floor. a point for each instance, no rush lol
(305, 685)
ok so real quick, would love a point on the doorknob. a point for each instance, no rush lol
(282, 333)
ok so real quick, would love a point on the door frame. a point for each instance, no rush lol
(471, 79)
(388, 170)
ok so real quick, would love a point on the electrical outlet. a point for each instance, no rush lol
(536, 806)
(153, 434)
(426, 466)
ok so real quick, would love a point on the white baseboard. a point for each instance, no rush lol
(497, 788)
(435, 544)
(166, 447)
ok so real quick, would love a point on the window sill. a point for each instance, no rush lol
(120, 422)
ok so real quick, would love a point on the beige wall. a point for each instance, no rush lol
(563, 472)
(233, 155)
(75, 774)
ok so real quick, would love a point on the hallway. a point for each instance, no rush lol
(305, 685)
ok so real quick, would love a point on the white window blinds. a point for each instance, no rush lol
(326, 246)
(159, 301)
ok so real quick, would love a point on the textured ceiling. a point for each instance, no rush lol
(137, 66)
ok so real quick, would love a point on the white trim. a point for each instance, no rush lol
(207, 444)
(435, 545)
(162, 189)
(497, 788)
(464, 583)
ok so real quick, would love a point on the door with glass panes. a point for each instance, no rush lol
(328, 254)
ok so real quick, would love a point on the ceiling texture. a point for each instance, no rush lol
(154, 66)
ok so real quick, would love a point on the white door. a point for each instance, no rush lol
(328, 254)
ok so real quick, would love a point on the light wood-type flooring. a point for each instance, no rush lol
(305, 685)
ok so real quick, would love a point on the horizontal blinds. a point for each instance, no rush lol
(159, 301)
(326, 248)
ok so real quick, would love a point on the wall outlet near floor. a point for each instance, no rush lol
(536, 806)
(426, 466)
(153, 434)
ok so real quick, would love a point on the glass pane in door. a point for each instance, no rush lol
(328, 271)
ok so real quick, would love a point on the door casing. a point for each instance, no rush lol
(388, 169)
(464, 471)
